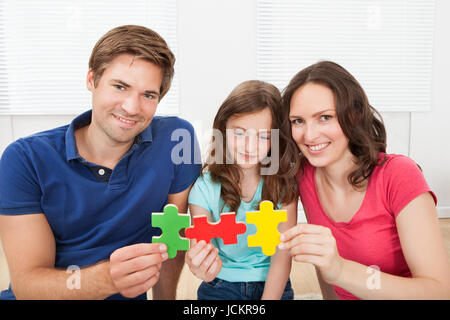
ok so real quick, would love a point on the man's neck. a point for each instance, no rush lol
(96, 147)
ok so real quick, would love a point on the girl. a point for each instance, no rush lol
(233, 180)
(373, 232)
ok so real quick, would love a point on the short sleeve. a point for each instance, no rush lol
(201, 193)
(20, 192)
(187, 157)
(404, 181)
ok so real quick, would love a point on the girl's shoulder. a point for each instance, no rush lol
(205, 177)
(206, 182)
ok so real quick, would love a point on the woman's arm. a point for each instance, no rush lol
(281, 261)
(425, 254)
(422, 245)
(327, 290)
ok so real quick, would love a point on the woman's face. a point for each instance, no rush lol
(248, 137)
(315, 126)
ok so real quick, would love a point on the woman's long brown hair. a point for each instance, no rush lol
(361, 123)
(250, 97)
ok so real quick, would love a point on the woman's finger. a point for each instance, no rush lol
(309, 258)
(308, 248)
(301, 228)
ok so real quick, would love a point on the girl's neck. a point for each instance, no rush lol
(249, 174)
(249, 181)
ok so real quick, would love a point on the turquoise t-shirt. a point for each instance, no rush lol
(240, 262)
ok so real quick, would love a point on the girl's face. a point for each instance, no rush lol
(315, 127)
(248, 137)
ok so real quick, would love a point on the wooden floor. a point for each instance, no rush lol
(303, 276)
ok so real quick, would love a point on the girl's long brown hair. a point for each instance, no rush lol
(361, 123)
(249, 97)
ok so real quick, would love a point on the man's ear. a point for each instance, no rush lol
(90, 80)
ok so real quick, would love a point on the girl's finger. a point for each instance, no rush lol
(214, 269)
(198, 259)
(209, 260)
(195, 249)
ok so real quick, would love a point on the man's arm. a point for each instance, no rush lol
(29, 247)
(166, 287)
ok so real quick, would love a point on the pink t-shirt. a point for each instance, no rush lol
(370, 237)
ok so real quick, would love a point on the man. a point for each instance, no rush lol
(79, 198)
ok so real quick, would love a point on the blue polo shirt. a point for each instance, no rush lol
(93, 210)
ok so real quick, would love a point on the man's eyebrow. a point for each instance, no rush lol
(123, 83)
(152, 92)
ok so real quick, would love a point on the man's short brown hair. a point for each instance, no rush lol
(139, 41)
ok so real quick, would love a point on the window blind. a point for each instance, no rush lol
(45, 47)
(387, 45)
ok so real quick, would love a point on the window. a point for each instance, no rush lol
(385, 44)
(45, 47)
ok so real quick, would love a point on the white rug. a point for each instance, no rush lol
(308, 296)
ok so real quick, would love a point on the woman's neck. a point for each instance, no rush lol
(336, 175)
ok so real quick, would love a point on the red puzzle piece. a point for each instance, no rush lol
(227, 229)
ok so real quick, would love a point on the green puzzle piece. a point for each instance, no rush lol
(170, 222)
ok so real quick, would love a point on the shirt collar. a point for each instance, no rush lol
(83, 120)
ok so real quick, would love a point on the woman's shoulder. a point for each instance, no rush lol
(397, 163)
(401, 180)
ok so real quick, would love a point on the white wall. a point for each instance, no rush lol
(217, 48)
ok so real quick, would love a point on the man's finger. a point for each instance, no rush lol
(137, 250)
(139, 289)
(136, 278)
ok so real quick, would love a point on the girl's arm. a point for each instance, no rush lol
(281, 261)
(422, 246)
(203, 259)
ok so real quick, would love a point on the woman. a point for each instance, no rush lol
(373, 231)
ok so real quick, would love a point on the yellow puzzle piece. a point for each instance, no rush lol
(266, 220)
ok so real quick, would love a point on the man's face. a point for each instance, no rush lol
(125, 97)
